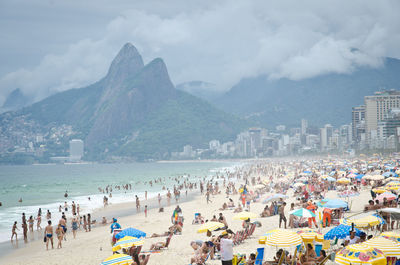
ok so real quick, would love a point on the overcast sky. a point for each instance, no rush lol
(52, 45)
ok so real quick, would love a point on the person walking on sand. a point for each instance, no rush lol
(89, 221)
(48, 233)
(282, 216)
(74, 226)
(25, 231)
(145, 195)
(13, 232)
(31, 222)
(159, 200)
(38, 221)
(85, 223)
(60, 235)
(63, 224)
(137, 204)
(145, 211)
(208, 197)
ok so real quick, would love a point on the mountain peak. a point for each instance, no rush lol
(127, 62)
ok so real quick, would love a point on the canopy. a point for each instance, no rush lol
(210, 226)
(302, 213)
(245, 216)
(340, 231)
(117, 259)
(360, 254)
(389, 247)
(282, 239)
(130, 232)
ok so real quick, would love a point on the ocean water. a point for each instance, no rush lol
(43, 186)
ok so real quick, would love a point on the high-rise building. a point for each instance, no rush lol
(304, 126)
(357, 118)
(76, 148)
(377, 107)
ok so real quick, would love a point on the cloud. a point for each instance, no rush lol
(224, 41)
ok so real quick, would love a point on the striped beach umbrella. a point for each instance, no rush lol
(245, 216)
(117, 259)
(310, 235)
(363, 222)
(389, 247)
(127, 242)
(283, 239)
(359, 254)
(388, 195)
(302, 213)
(391, 236)
(343, 181)
(210, 226)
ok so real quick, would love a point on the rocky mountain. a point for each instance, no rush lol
(134, 111)
(201, 89)
(322, 99)
(15, 100)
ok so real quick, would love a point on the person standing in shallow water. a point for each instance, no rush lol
(13, 231)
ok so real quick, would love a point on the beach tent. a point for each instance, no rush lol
(130, 232)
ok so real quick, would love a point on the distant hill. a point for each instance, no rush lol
(135, 111)
(322, 99)
(201, 89)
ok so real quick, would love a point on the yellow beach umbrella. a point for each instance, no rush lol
(245, 216)
(283, 238)
(309, 235)
(261, 239)
(380, 190)
(363, 222)
(117, 259)
(343, 181)
(210, 226)
(391, 236)
(359, 254)
(389, 247)
(392, 183)
(127, 242)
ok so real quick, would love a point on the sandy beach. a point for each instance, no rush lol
(93, 247)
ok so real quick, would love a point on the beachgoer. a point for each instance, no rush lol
(226, 245)
(115, 225)
(85, 223)
(145, 211)
(39, 221)
(63, 223)
(282, 216)
(60, 235)
(48, 233)
(89, 221)
(31, 221)
(74, 226)
(13, 232)
(25, 230)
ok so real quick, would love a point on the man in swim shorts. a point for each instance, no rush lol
(48, 232)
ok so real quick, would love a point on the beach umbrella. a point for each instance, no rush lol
(310, 235)
(363, 222)
(389, 247)
(302, 179)
(275, 197)
(210, 226)
(388, 195)
(117, 259)
(392, 183)
(348, 193)
(333, 203)
(330, 179)
(261, 239)
(259, 186)
(380, 190)
(375, 177)
(245, 215)
(343, 181)
(352, 175)
(359, 176)
(389, 174)
(127, 242)
(360, 254)
(283, 238)
(298, 184)
(340, 231)
(130, 232)
(391, 236)
(302, 213)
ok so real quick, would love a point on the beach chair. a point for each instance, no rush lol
(259, 256)
(325, 260)
(241, 236)
(236, 238)
(252, 228)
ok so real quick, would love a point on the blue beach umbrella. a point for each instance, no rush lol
(333, 203)
(130, 232)
(359, 176)
(389, 174)
(330, 179)
(340, 231)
